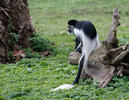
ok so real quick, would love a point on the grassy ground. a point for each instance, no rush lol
(32, 79)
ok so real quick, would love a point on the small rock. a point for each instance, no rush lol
(52, 43)
(46, 53)
(63, 32)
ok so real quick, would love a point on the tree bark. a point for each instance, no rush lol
(15, 27)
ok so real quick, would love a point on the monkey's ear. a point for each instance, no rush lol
(72, 22)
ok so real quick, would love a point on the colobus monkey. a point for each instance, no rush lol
(87, 35)
(88, 40)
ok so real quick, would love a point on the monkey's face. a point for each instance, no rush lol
(70, 29)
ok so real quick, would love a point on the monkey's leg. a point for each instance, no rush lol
(79, 71)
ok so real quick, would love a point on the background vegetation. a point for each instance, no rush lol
(32, 79)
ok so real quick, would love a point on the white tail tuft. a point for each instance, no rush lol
(63, 87)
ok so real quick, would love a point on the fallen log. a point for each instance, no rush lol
(107, 61)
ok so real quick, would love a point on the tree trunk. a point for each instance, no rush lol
(15, 27)
(108, 60)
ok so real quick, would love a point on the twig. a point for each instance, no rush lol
(4, 10)
(4, 43)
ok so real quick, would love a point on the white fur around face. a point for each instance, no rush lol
(63, 87)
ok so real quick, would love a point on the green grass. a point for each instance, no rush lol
(32, 79)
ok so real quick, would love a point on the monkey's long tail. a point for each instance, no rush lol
(63, 87)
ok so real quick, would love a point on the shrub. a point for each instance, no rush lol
(30, 53)
(40, 44)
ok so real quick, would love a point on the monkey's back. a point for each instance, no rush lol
(87, 27)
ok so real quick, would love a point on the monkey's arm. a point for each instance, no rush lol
(79, 47)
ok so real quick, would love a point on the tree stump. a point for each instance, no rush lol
(109, 60)
(15, 27)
